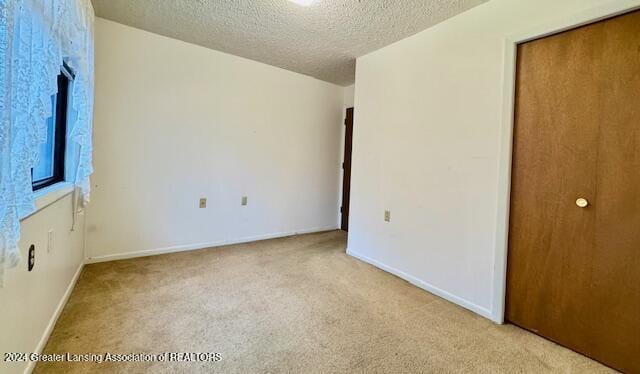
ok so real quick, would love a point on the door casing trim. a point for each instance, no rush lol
(608, 10)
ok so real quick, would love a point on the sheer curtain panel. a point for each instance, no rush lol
(36, 37)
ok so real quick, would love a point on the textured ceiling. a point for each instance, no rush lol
(321, 40)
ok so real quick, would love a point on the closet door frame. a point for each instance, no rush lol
(506, 133)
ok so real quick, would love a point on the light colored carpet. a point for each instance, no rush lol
(294, 305)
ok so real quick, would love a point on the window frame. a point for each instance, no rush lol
(65, 78)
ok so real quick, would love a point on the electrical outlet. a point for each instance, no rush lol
(387, 216)
(244, 200)
(50, 241)
(203, 203)
(32, 257)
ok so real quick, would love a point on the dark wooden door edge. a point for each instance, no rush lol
(346, 169)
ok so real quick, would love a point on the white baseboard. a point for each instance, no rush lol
(424, 285)
(191, 247)
(54, 318)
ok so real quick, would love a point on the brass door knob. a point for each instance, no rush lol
(582, 202)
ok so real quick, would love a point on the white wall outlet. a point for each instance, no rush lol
(244, 200)
(387, 216)
(203, 203)
(50, 241)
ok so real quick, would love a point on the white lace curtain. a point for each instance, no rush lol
(36, 37)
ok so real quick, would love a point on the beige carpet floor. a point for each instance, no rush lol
(291, 305)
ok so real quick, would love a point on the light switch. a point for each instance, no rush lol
(244, 200)
(387, 215)
(50, 241)
(203, 203)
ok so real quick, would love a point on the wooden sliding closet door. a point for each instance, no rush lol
(573, 270)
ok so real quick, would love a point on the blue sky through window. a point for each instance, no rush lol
(44, 169)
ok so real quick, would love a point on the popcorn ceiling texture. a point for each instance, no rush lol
(321, 40)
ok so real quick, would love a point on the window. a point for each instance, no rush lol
(50, 168)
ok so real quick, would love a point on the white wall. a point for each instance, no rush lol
(427, 147)
(30, 301)
(175, 122)
(349, 96)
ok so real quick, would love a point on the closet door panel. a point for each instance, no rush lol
(574, 242)
(616, 260)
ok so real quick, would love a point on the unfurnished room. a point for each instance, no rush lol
(320, 186)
